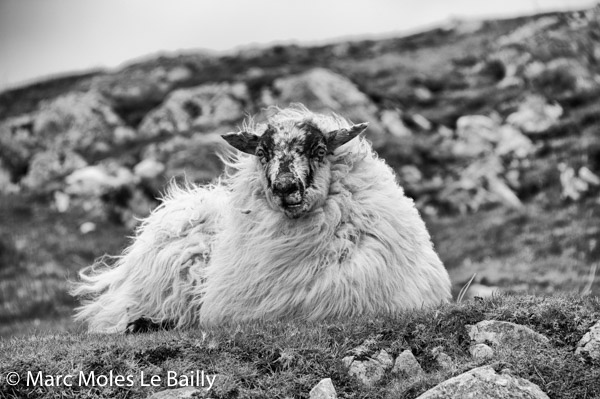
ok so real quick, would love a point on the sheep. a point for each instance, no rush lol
(307, 223)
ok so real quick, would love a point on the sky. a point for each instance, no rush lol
(49, 37)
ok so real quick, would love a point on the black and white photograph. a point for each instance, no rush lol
(318, 199)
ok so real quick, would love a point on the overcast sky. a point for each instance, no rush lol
(40, 37)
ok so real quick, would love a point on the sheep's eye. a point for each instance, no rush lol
(262, 156)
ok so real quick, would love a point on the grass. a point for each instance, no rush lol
(42, 249)
(279, 360)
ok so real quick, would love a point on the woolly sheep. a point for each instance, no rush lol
(307, 224)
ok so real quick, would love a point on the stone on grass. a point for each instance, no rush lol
(347, 361)
(443, 360)
(385, 359)
(407, 365)
(589, 345)
(498, 332)
(484, 382)
(481, 351)
(371, 370)
(323, 390)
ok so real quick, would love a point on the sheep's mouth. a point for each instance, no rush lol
(293, 204)
(293, 199)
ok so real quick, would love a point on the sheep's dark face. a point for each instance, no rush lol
(294, 159)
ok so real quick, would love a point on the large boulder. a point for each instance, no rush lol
(589, 345)
(204, 108)
(194, 159)
(48, 167)
(484, 382)
(503, 332)
(322, 90)
(82, 123)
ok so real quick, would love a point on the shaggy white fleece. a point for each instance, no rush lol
(223, 254)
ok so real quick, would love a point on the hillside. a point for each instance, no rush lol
(492, 127)
(284, 360)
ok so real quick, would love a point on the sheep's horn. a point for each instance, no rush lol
(243, 141)
(340, 137)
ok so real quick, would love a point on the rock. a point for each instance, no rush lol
(470, 193)
(477, 128)
(512, 142)
(575, 185)
(503, 192)
(82, 122)
(589, 345)
(61, 201)
(124, 135)
(148, 169)
(588, 176)
(202, 108)
(510, 82)
(443, 360)
(178, 393)
(323, 390)
(192, 158)
(179, 74)
(423, 94)
(422, 122)
(481, 351)
(560, 76)
(500, 332)
(369, 371)
(6, 185)
(50, 165)
(484, 382)
(75, 123)
(476, 135)
(410, 175)
(392, 122)
(322, 90)
(141, 89)
(18, 144)
(407, 365)
(535, 115)
(87, 227)
(97, 180)
(385, 359)
(347, 361)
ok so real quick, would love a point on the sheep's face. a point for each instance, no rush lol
(294, 159)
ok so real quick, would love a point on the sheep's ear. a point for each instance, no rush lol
(243, 141)
(340, 137)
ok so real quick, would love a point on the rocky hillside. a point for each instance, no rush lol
(493, 127)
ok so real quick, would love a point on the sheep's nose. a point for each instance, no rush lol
(285, 184)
